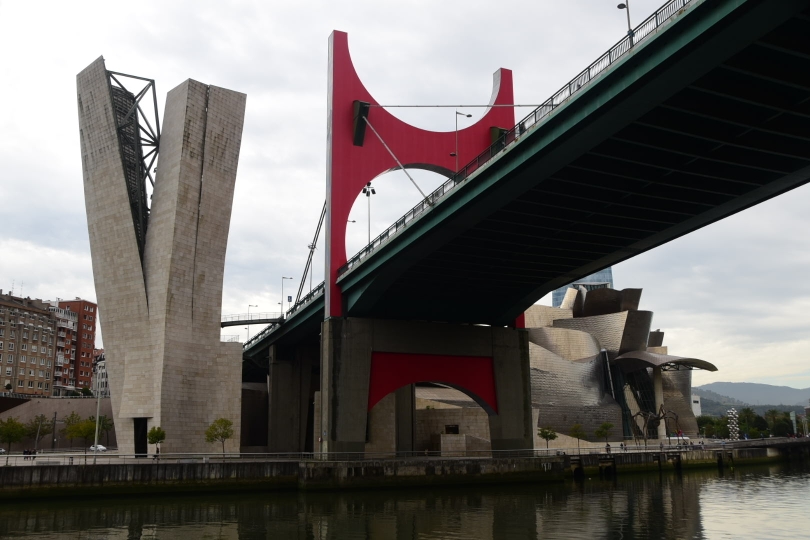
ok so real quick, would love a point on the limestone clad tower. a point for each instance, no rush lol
(158, 271)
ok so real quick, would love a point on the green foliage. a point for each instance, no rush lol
(11, 431)
(782, 427)
(69, 421)
(547, 434)
(156, 435)
(577, 432)
(86, 392)
(38, 427)
(84, 429)
(8, 387)
(220, 430)
(603, 431)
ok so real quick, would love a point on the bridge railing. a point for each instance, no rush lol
(309, 297)
(642, 31)
(251, 316)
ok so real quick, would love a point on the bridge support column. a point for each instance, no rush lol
(363, 360)
(658, 390)
(290, 393)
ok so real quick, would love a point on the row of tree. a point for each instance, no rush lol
(75, 428)
(774, 422)
(219, 431)
(602, 432)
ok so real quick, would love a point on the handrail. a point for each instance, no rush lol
(251, 316)
(641, 32)
(309, 297)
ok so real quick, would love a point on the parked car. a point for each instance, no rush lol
(2, 450)
(100, 448)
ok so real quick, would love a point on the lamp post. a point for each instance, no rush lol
(282, 294)
(455, 154)
(368, 191)
(626, 6)
(98, 412)
(248, 327)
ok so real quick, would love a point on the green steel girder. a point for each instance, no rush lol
(694, 44)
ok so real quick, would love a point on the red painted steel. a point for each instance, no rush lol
(350, 167)
(471, 374)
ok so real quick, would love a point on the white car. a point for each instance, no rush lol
(2, 450)
(100, 448)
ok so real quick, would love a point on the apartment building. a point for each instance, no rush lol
(64, 376)
(27, 345)
(82, 359)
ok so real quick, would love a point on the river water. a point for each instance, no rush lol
(756, 503)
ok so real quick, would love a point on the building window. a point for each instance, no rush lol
(19, 383)
(1, 345)
(42, 362)
(47, 386)
(10, 359)
(2, 332)
(33, 348)
(39, 385)
(21, 372)
(8, 371)
(49, 363)
(24, 346)
(30, 384)
(30, 372)
(22, 359)
(47, 374)
(11, 346)
(41, 373)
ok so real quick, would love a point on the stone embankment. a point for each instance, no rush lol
(163, 477)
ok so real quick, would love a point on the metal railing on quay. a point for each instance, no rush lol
(79, 457)
(532, 120)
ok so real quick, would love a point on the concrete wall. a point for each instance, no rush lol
(161, 316)
(345, 371)
(472, 421)
(84, 407)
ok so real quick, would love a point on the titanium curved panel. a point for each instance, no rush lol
(567, 393)
(571, 345)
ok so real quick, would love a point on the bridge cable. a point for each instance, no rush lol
(308, 267)
(398, 163)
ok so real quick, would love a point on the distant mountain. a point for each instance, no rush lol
(753, 393)
(717, 398)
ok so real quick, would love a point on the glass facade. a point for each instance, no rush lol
(598, 280)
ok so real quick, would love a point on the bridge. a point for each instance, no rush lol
(701, 112)
(243, 319)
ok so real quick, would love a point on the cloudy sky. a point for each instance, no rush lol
(735, 293)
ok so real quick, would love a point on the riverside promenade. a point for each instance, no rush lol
(54, 475)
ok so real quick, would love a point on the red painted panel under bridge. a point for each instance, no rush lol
(473, 374)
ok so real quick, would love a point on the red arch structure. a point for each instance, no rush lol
(350, 166)
(473, 375)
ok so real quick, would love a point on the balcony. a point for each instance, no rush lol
(60, 344)
(58, 373)
(61, 334)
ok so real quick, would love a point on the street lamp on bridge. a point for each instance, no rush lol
(455, 154)
(282, 294)
(368, 191)
(626, 6)
(248, 327)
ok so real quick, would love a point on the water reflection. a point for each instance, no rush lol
(695, 505)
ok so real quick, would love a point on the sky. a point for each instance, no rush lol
(735, 293)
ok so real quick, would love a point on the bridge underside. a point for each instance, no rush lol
(708, 118)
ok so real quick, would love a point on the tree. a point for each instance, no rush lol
(220, 430)
(37, 428)
(105, 425)
(85, 430)
(69, 421)
(157, 435)
(86, 392)
(578, 433)
(547, 434)
(772, 415)
(603, 431)
(11, 431)
(9, 387)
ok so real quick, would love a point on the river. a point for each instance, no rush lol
(753, 502)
